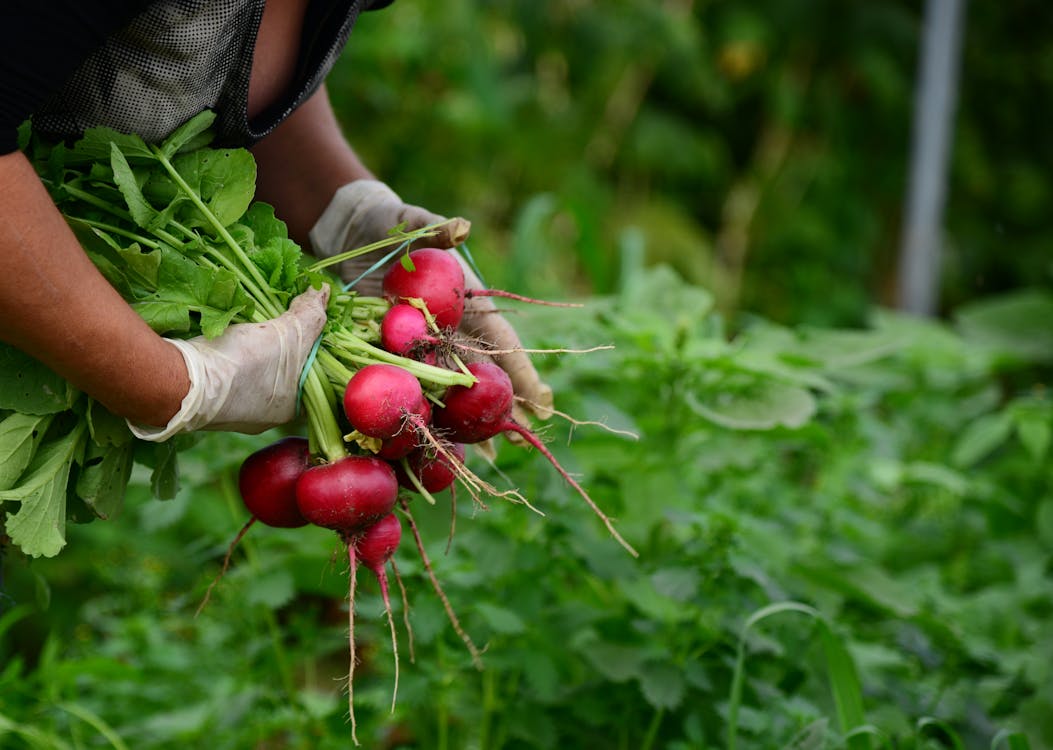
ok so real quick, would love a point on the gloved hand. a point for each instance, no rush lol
(246, 379)
(365, 211)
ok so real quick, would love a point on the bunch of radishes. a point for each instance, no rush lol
(402, 434)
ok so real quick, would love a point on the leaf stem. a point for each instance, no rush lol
(267, 300)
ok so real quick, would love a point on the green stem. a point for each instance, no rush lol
(489, 709)
(415, 481)
(267, 301)
(111, 229)
(120, 213)
(351, 348)
(652, 729)
(262, 298)
(325, 432)
(395, 239)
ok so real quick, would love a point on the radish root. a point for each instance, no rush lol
(226, 564)
(351, 640)
(477, 660)
(405, 610)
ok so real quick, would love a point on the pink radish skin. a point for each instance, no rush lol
(432, 469)
(436, 279)
(404, 331)
(379, 398)
(402, 444)
(474, 413)
(267, 482)
(348, 495)
(375, 547)
(267, 485)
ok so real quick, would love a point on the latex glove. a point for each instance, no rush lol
(365, 211)
(246, 379)
(482, 322)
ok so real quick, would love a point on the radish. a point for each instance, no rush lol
(380, 398)
(404, 331)
(471, 414)
(267, 485)
(267, 482)
(437, 279)
(402, 444)
(348, 495)
(374, 548)
(433, 471)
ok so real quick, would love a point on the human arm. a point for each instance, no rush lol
(57, 307)
(306, 162)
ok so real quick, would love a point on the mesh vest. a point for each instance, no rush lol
(179, 57)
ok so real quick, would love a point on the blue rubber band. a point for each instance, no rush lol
(307, 369)
(471, 262)
(376, 266)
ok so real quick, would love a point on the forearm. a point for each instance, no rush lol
(57, 307)
(303, 163)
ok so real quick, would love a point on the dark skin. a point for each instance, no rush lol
(57, 307)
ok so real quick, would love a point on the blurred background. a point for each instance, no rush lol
(761, 148)
(844, 513)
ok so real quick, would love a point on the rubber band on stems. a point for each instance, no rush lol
(377, 266)
(307, 365)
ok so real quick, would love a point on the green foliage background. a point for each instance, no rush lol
(722, 182)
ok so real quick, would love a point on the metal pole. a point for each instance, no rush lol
(935, 100)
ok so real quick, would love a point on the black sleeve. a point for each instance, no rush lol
(43, 43)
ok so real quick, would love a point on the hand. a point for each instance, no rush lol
(247, 379)
(482, 322)
(365, 211)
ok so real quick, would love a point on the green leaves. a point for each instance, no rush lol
(19, 436)
(185, 288)
(29, 387)
(764, 405)
(39, 526)
(154, 221)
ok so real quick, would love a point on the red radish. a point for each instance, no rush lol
(374, 548)
(433, 470)
(474, 413)
(267, 482)
(405, 442)
(436, 279)
(380, 397)
(404, 331)
(348, 495)
(267, 485)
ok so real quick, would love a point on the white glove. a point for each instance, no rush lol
(481, 321)
(365, 211)
(246, 379)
